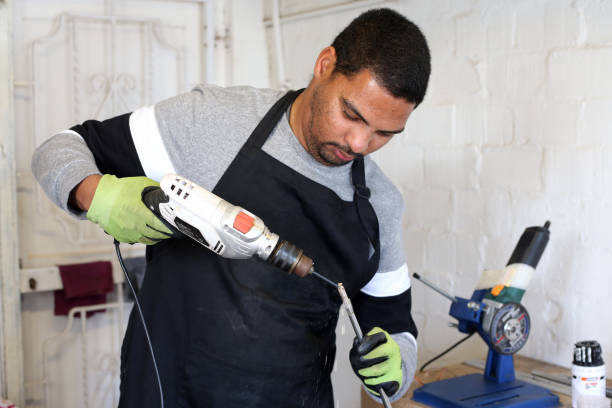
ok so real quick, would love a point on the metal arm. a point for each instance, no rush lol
(434, 287)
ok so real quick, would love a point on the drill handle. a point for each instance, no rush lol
(152, 197)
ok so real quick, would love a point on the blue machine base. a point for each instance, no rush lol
(475, 390)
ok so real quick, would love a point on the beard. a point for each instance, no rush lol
(322, 151)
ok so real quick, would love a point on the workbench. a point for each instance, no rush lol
(522, 364)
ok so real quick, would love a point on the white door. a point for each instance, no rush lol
(73, 61)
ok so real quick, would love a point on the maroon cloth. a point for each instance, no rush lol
(84, 285)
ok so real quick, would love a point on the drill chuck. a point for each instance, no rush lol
(291, 259)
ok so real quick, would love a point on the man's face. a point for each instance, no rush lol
(350, 117)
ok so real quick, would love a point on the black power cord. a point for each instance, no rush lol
(445, 351)
(144, 325)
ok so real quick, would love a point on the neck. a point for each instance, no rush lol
(296, 116)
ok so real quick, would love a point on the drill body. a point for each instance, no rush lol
(226, 229)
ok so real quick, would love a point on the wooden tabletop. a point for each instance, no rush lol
(524, 364)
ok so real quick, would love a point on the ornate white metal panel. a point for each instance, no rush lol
(77, 66)
(95, 60)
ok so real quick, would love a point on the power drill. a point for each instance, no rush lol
(228, 230)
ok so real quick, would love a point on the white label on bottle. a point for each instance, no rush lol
(588, 381)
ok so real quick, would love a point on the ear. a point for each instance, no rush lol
(326, 62)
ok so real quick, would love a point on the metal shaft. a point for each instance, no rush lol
(434, 287)
(348, 306)
(318, 275)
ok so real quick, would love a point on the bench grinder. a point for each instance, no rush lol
(494, 311)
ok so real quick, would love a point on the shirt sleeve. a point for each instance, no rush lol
(111, 145)
(60, 164)
(386, 300)
(128, 145)
(392, 313)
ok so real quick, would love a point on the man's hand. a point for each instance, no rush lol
(117, 207)
(377, 361)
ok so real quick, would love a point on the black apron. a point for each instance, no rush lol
(242, 333)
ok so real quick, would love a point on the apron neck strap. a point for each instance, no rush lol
(365, 211)
(268, 123)
(358, 179)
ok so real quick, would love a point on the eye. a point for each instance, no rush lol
(349, 116)
(385, 134)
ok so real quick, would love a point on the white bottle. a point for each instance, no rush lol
(588, 374)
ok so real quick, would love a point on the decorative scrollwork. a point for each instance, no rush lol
(126, 83)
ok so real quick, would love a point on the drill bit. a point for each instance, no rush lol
(318, 275)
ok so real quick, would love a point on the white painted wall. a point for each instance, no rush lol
(248, 44)
(515, 130)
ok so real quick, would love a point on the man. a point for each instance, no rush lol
(238, 333)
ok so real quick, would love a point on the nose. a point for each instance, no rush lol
(358, 140)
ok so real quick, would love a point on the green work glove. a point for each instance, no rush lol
(117, 207)
(377, 361)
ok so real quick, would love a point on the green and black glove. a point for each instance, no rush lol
(377, 361)
(117, 207)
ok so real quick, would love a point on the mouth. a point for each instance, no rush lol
(342, 155)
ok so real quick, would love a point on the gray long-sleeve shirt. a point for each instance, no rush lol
(197, 135)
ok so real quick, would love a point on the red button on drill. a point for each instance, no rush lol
(243, 222)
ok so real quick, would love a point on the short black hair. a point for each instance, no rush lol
(389, 45)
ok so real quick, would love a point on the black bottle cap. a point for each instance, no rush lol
(531, 246)
(587, 354)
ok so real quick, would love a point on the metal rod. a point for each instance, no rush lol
(555, 378)
(385, 399)
(278, 44)
(210, 41)
(348, 306)
(434, 287)
(318, 275)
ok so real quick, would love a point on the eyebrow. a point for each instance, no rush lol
(352, 108)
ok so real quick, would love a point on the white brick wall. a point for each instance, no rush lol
(594, 124)
(515, 130)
